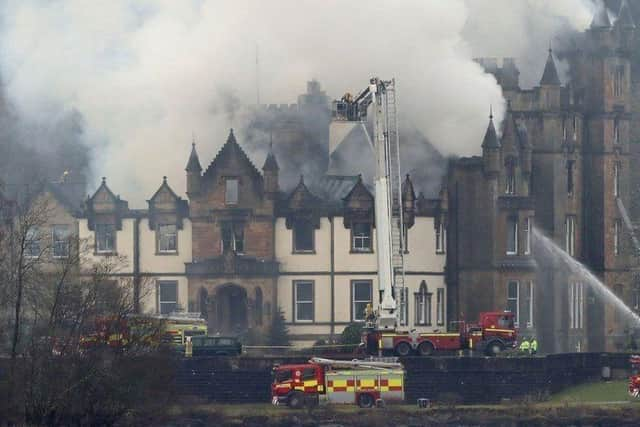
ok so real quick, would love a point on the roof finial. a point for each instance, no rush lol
(164, 179)
(490, 111)
(104, 179)
(270, 140)
(302, 179)
(550, 49)
(193, 139)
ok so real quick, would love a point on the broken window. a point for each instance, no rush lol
(32, 243)
(105, 238)
(361, 237)
(303, 236)
(231, 191)
(440, 301)
(423, 305)
(616, 131)
(575, 128)
(617, 229)
(167, 296)
(60, 236)
(361, 296)
(513, 298)
(616, 179)
(510, 177)
(441, 237)
(233, 237)
(618, 81)
(303, 297)
(527, 236)
(167, 238)
(570, 167)
(512, 236)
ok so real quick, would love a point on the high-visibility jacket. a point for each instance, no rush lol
(534, 345)
(524, 346)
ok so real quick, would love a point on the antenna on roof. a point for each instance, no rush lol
(257, 76)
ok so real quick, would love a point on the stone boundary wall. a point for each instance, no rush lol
(450, 379)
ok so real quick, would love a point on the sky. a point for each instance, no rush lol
(150, 76)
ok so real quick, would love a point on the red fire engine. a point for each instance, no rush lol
(336, 381)
(634, 379)
(494, 333)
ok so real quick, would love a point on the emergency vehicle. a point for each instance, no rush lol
(494, 333)
(634, 379)
(334, 381)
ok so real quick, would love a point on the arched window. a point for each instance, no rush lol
(423, 305)
(258, 307)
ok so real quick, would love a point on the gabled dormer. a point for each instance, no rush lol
(104, 212)
(166, 207)
(359, 205)
(303, 217)
(232, 180)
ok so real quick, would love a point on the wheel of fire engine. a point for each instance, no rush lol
(365, 400)
(493, 348)
(403, 349)
(425, 349)
(296, 400)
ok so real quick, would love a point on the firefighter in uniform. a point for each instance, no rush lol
(534, 345)
(525, 347)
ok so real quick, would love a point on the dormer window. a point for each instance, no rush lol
(167, 238)
(303, 236)
(105, 238)
(233, 237)
(361, 237)
(231, 191)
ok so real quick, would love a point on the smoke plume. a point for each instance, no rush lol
(148, 74)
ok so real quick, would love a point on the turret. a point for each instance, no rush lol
(600, 29)
(270, 171)
(408, 202)
(625, 26)
(491, 150)
(193, 170)
(550, 85)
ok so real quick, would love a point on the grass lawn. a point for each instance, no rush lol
(612, 391)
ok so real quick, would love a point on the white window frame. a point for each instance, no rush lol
(162, 302)
(297, 301)
(403, 306)
(570, 234)
(529, 302)
(527, 235)
(32, 247)
(576, 305)
(228, 193)
(617, 226)
(358, 315)
(616, 179)
(440, 301)
(65, 240)
(110, 250)
(514, 301)
(441, 238)
(166, 236)
(423, 300)
(512, 221)
(358, 240)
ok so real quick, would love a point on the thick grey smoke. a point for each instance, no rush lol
(147, 74)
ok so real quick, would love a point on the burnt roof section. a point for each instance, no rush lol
(490, 137)
(57, 190)
(193, 165)
(601, 18)
(625, 18)
(358, 192)
(550, 74)
(231, 149)
(301, 197)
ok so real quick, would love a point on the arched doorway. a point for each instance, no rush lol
(231, 309)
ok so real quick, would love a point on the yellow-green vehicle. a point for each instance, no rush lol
(178, 328)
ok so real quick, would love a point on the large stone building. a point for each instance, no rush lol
(562, 164)
(240, 249)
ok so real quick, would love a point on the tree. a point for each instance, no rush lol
(351, 336)
(278, 331)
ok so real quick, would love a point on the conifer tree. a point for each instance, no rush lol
(278, 332)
